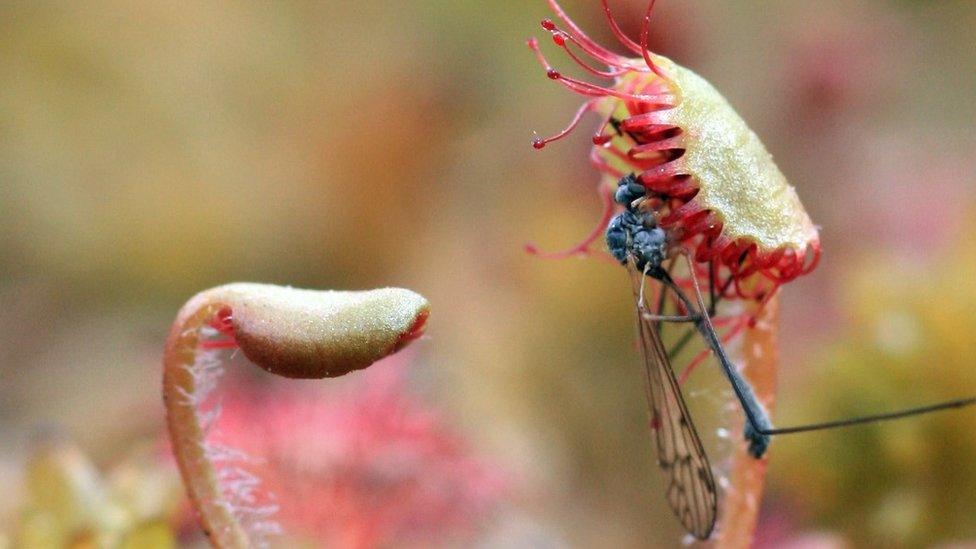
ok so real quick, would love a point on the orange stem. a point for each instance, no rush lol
(740, 510)
(187, 432)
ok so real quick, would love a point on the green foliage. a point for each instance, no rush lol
(69, 503)
(904, 483)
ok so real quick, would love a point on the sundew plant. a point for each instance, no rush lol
(694, 203)
(288, 332)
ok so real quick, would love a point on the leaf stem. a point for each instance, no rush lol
(743, 498)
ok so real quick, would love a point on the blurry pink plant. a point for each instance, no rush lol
(780, 530)
(840, 63)
(364, 464)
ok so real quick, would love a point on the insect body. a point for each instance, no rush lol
(634, 233)
(634, 238)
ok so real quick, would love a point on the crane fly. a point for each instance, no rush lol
(635, 240)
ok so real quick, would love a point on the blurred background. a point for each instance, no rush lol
(151, 150)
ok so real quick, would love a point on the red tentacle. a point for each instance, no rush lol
(645, 27)
(540, 142)
(583, 247)
(586, 42)
(624, 40)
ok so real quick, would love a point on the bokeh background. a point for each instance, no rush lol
(151, 150)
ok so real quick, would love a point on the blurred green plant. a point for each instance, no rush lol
(68, 502)
(907, 483)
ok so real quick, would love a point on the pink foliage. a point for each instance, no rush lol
(361, 464)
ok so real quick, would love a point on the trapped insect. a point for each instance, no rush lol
(685, 178)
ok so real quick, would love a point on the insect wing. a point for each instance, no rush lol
(691, 487)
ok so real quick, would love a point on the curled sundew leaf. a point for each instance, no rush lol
(286, 331)
(711, 184)
(675, 155)
(314, 334)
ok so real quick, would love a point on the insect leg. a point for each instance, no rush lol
(686, 337)
(670, 318)
(732, 333)
(947, 405)
(759, 429)
(712, 301)
(640, 295)
(658, 317)
(583, 248)
(758, 423)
